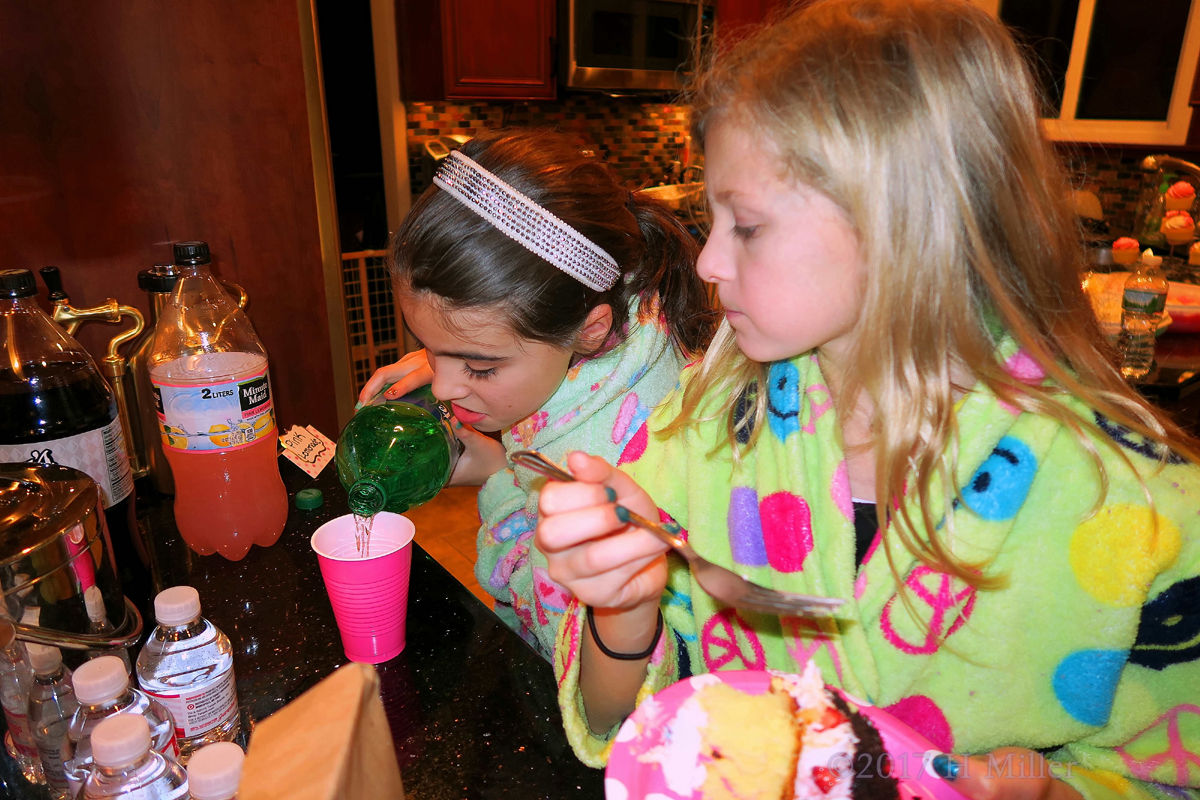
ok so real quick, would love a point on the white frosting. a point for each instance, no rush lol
(833, 748)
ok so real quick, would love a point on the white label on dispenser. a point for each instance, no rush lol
(99, 453)
(222, 415)
(200, 710)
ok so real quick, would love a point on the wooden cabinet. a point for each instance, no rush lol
(735, 14)
(498, 49)
(480, 49)
(129, 125)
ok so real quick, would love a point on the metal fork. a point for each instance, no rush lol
(724, 585)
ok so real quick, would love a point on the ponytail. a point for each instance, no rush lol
(668, 271)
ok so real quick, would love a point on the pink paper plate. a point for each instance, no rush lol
(627, 778)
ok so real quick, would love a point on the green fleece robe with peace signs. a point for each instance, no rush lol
(1090, 652)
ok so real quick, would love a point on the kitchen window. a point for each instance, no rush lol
(1113, 71)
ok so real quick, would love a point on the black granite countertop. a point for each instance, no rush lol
(472, 707)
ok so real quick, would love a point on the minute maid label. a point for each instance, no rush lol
(224, 414)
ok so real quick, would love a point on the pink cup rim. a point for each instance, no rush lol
(406, 524)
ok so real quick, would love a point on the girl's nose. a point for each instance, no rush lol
(713, 265)
(446, 386)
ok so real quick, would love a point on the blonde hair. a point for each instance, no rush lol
(919, 119)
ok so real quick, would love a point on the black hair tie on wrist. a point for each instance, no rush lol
(591, 618)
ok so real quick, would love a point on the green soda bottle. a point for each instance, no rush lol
(397, 455)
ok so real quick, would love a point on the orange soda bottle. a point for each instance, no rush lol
(215, 413)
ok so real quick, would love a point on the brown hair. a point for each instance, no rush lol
(445, 249)
(918, 118)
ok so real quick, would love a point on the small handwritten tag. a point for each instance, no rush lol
(308, 449)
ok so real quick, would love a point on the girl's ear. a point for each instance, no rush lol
(595, 330)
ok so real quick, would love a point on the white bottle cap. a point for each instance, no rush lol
(100, 680)
(1151, 260)
(215, 771)
(178, 605)
(93, 602)
(44, 660)
(120, 740)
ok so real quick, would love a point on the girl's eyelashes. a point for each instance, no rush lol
(478, 373)
(745, 232)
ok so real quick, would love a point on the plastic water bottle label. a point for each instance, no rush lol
(1143, 302)
(52, 767)
(22, 736)
(200, 710)
(215, 416)
(99, 453)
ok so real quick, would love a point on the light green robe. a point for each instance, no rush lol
(1089, 652)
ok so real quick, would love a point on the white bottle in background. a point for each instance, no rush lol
(102, 689)
(51, 705)
(187, 664)
(16, 676)
(215, 771)
(99, 624)
(127, 767)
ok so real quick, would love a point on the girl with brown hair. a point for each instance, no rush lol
(554, 306)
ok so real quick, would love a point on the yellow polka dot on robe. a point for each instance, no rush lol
(1116, 554)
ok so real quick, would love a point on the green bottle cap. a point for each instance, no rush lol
(308, 499)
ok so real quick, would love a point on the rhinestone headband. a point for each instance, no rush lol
(526, 222)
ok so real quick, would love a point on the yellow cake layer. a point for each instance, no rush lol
(753, 742)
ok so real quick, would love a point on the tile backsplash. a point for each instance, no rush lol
(638, 138)
(641, 139)
(1115, 178)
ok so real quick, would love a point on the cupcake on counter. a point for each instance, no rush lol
(1125, 251)
(1180, 196)
(1178, 227)
(1194, 255)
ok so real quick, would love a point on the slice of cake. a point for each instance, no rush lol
(795, 741)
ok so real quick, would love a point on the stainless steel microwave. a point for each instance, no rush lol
(636, 45)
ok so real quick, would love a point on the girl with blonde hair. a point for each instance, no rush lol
(908, 406)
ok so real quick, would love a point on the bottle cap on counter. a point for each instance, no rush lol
(17, 283)
(192, 253)
(120, 740)
(44, 660)
(100, 680)
(308, 499)
(177, 605)
(1151, 260)
(215, 771)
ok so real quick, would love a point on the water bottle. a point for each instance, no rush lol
(16, 676)
(213, 396)
(126, 765)
(397, 455)
(102, 690)
(215, 771)
(187, 665)
(1142, 306)
(51, 705)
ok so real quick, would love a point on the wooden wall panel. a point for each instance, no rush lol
(128, 124)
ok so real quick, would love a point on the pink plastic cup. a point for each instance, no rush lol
(369, 595)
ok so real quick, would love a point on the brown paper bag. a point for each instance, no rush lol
(331, 743)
